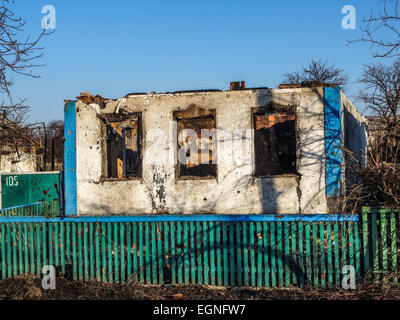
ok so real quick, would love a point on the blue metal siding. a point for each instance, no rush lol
(70, 185)
(333, 139)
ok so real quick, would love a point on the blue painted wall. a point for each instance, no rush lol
(70, 185)
(333, 140)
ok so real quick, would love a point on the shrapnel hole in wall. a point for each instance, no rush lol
(123, 147)
(197, 151)
(275, 143)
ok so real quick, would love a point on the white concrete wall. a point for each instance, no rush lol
(355, 126)
(26, 163)
(235, 190)
(355, 140)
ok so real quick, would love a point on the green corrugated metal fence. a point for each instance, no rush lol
(381, 243)
(239, 253)
(190, 252)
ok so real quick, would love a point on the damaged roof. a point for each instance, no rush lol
(306, 84)
(88, 98)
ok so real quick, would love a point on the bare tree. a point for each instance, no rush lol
(382, 30)
(55, 129)
(317, 71)
(382, 94)
(379, 181)
(382, 97)
(18, 56)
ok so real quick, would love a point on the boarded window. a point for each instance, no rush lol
(196, 149)
(275, 144)
(123, 148)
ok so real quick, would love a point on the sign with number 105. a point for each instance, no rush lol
(12, 181)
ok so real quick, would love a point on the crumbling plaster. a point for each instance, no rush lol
(235, 190)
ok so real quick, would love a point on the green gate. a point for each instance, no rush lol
(21, 189)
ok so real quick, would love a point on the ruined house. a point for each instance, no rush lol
(240, 151)
(18, 148)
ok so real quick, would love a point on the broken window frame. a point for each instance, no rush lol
(268, 110)
(108, 119)
(194, 113)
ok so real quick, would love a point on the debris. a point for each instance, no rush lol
(195, 91)
(177, 296)
(87, 98)
(135, 94)
(306, 84)
(121, 101)
(29, 287)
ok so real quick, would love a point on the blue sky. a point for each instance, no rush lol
(113, 48)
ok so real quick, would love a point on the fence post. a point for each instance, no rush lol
(365, 236)
(393, 237)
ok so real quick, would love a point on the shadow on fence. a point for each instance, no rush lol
(381, 242)
(226, 253)
(212, 253)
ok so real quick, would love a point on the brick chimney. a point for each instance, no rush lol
(237, 85)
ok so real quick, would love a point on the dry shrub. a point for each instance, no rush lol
(377, 183)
